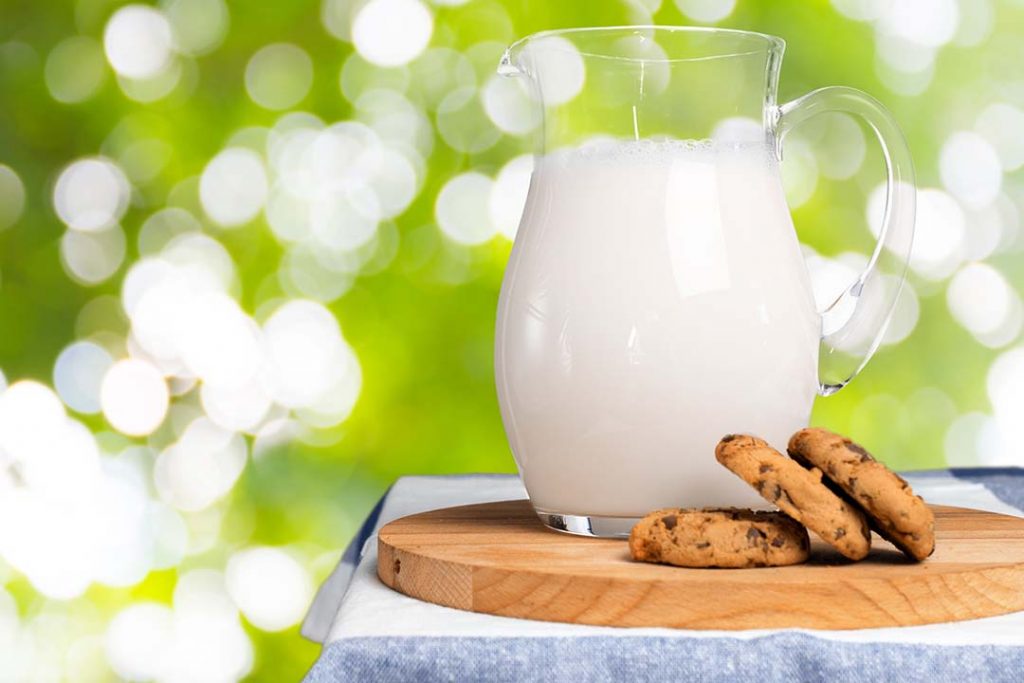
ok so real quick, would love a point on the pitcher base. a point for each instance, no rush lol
(588, 525)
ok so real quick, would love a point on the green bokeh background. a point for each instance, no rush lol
(423, 326)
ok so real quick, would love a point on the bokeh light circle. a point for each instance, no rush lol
(706, 11)
(92, 257)
(163, 226)
(346, 219)
(209, 642)
(269, 586)
(939, 245)
(308, 359)
(395, 120)
(91, 194)
(508, 194)
(738, 129)
(961, 440)
(304, 273)
(463, 123)
(200, 639)
(134, 397)
(984, 303)
(137, 640)
(12, 197)
(358, 75)
(395, 182)
(392, 32)
(1001, 124)
(988, 229)
(233, 187)
(977, 19)
(75, 69)
(905, 313)
(859, 10)
(142, 160)
(279, 76)
(199, 25)
(237, 408)
(1005, 384)
(841, 149)
(138, 41)
(903, 55)
(28, 410)
(158, 86)
(970, 169)
(439, 71)
(930, 23)
(337, 16)
(509, 105)
(217, 341)
(201, 467)
(78, 374)
(908, 84)
(830, 277)
(799, 172)
(463, 209)
(562, 74)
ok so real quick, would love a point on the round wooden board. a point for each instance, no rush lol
(499, 559)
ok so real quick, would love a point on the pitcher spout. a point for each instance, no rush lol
(511, 60)
(506, 67)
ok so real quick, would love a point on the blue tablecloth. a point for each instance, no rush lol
(371, 633)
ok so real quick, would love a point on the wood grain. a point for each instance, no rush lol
(498, 558)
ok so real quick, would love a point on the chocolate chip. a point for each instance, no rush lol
(853, 482)
(856, 448)
(670, 521)
(840, 532)
(778, 542)
(776, 493)
(765, 468)
(728, 437)
(754, 535)
(398, 566)
(702, 545)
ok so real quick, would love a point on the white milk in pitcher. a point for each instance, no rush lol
(656, 300)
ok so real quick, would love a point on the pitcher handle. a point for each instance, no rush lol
(856, 321)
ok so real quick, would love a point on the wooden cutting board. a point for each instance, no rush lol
(498, 558)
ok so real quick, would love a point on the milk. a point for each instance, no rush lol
(656, 299)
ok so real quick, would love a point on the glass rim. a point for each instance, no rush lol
(772, 44)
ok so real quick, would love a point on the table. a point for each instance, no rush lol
(371, 633)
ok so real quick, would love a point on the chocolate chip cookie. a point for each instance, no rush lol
(798, 492)
(898, 515)
(719, 537)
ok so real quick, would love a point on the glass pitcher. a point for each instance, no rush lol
(656, 297)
